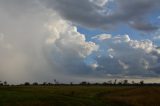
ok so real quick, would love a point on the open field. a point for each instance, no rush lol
(79, 96)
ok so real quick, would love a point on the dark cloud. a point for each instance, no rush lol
(136, 12)
(143, 26)
(86, 13)
(79, 11)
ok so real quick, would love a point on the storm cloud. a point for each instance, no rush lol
(107, 14)
(36, 44)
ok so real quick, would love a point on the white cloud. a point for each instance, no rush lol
(125, 66)
(102, 37)
(156, 37)
(94, 66)
(69, 48)
(99, 2)
(125, 56)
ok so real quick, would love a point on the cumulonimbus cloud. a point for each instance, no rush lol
(37, 44)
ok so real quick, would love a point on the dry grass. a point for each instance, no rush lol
(79, 96)
(142, 96)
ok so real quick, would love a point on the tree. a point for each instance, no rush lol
(119, 83)
(35, 83)
(115, 81)
(133, 82)
(141, 82)
(49, 84)
(26, 83)
(1, 84)
(104, 83)
(5, 82)
(109, 82)
(71, 83)
(55, 81)
(83, 83)
(44, 83)
(125, 82)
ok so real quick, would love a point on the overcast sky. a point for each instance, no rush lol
(76, 40)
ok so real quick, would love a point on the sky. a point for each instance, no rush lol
(77, 40)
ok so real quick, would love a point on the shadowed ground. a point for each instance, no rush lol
(79, 96)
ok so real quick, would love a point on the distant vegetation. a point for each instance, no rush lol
(110, 82)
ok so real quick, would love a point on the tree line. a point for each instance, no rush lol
(85, 83)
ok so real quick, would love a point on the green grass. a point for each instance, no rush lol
(79, 96)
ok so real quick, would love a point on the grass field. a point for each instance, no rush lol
(79, 96)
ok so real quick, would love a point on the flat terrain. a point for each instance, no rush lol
(79, 96)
